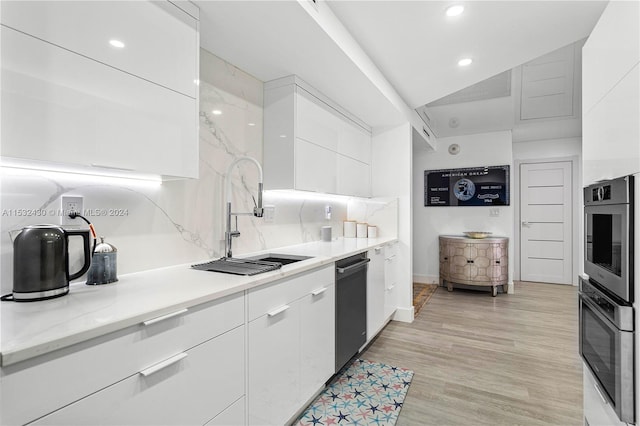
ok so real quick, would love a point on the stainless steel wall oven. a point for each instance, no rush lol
(608, 219)
(606, 295)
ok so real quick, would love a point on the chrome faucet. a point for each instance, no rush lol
(257, 209)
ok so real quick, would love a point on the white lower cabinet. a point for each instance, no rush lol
(381, 287)
(375, 292)
(104, 374)
(188, 389)
(234, 415)
(291, 341)
(390, 279)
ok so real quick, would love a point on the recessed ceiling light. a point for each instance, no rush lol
(251, 124)
(465, 62)
(216, 112)
(116, 43)
(455, 10)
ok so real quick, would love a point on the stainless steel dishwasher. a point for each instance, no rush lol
(351, 307)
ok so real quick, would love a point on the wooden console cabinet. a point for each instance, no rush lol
(474, 261)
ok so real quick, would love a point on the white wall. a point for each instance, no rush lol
(486, 149)
(566, 149)
(391, 177)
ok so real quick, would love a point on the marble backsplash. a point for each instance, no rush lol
(182, 221)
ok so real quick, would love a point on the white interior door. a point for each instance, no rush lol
(545, 222)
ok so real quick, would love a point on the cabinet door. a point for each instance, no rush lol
(375, 292)
(317, 343)
(274, 366)
(61, 107)
(232, 416)
(353, 177)
(189, 391)
(160, 40)
(316, 121)
(460, 268)
(315, 168)
(390, 279)
(354, 142)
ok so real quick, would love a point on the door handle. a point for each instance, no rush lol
(319, 291)
(280, 310)
(163, 364)
(164, 317)
(525, 223)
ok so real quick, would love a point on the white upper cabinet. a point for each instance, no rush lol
(70, 98)
(312, 144)
(160, 40)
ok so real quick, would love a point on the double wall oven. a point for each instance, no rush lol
(607, 295)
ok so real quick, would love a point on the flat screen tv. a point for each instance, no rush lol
(472, 186)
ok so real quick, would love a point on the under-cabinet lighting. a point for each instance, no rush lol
(116, 43)
(455, 10)
(289, 194)
(88, 176)
(465, 62)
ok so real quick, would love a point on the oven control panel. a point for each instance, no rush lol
(615, 191)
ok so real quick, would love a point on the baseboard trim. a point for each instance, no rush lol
(404, 314)
(425, 279)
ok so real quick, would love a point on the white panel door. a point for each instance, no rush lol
(375, 292)
(545, 222)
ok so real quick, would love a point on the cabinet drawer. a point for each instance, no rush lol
(30, 389)
(273, 296)
(190, 391)
(90, 114)
(161, 40)
(235, 415)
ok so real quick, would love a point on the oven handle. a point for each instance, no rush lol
(600, 394)
(596, 310)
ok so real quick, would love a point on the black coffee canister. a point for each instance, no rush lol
(104, 264)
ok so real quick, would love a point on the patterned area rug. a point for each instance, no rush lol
(421, 295)
(363, 393)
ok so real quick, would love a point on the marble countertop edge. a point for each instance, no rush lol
(88, 312)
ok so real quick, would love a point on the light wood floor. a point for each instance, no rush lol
(509, 360)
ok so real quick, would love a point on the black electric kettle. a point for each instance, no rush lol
(41, 262)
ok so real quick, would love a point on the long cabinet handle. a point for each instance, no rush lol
(280, 310)
(164, 317)
(163, 364)
(319, 291)
(354, 266)
(390, 258)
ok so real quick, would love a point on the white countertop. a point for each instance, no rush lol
(29, 329)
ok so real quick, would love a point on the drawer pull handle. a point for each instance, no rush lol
(469, 261)
(164, 317)
(280, 310)
(391, 288)
(446, 258)
(163, 364)
(497, 262)
(390, 258)
(378, 249)
(319, 292)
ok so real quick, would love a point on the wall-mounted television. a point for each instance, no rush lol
(472, 186)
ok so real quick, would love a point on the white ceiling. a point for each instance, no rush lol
(413, 44)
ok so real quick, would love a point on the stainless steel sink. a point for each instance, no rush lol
(283, 259)
(249, 266)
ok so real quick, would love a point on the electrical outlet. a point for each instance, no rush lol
(494, 212)
(269, 214)
(327, 212)
(71, 203)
